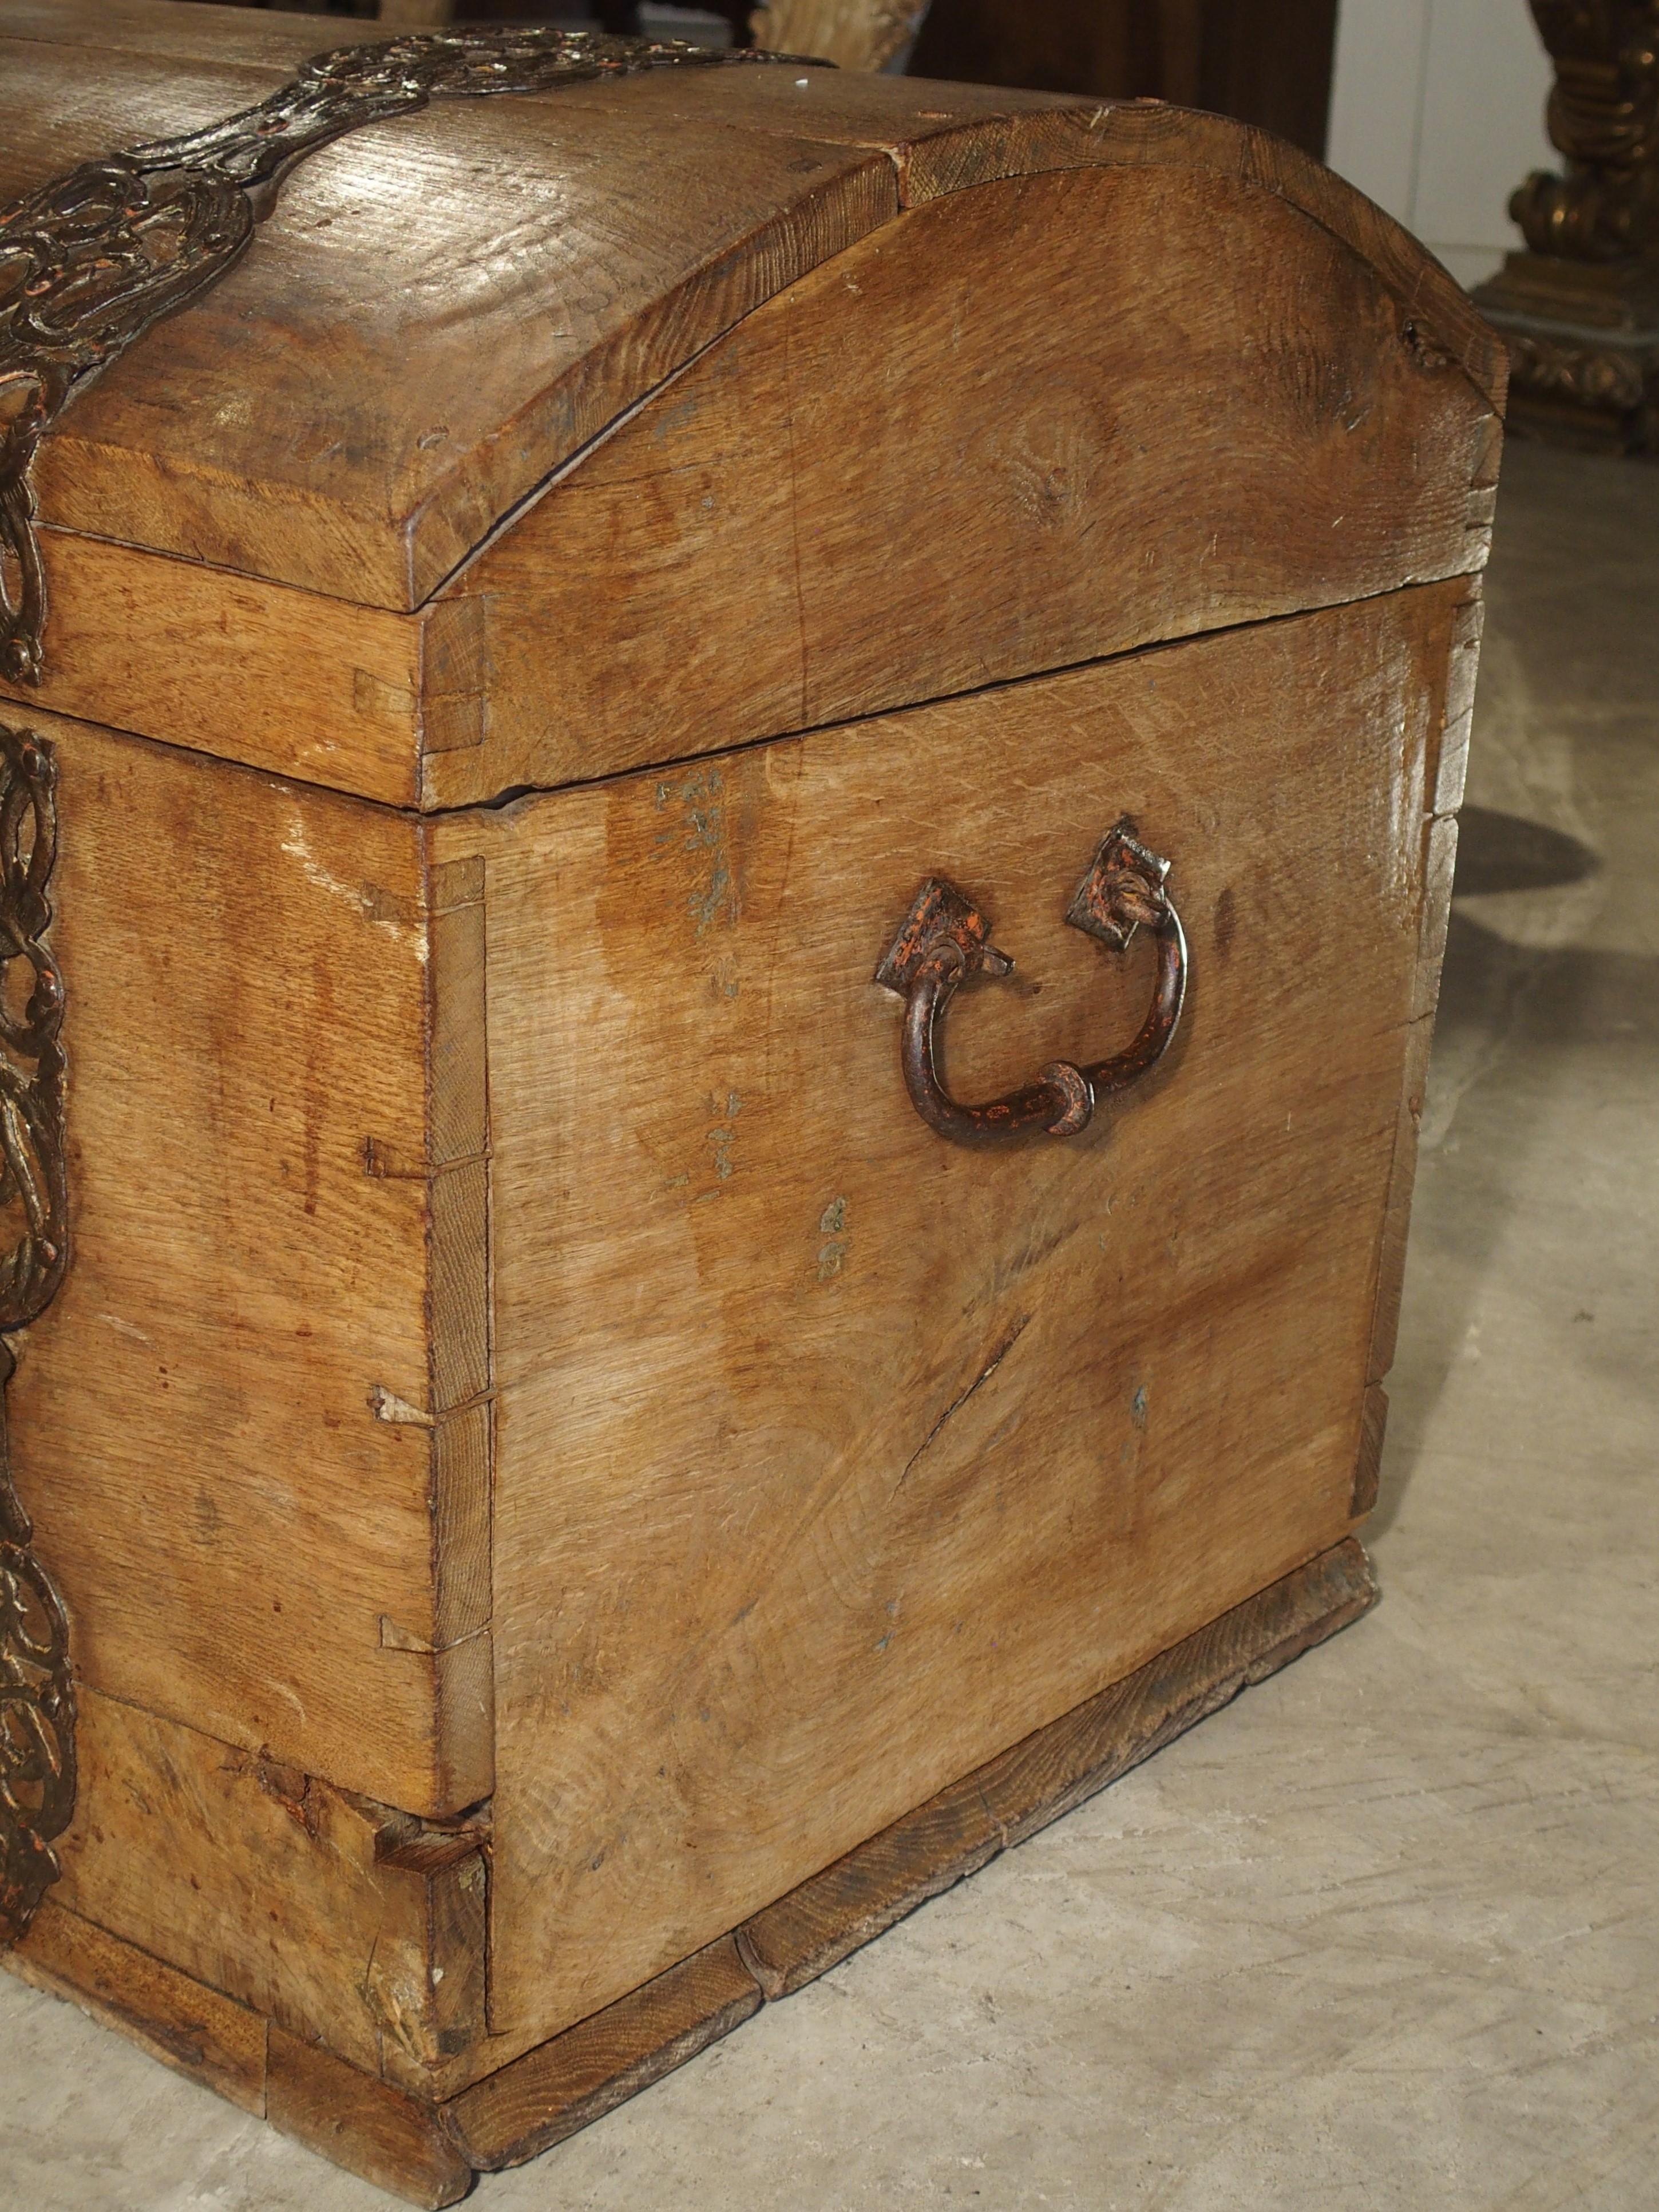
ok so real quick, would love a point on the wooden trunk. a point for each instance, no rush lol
(574, 1506)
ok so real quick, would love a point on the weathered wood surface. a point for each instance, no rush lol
(725, 500)
(279, 1890)
(409, 2145)
(307, 686)
(802, 1416)
(225, 36)
(260, 1384)
(818, 1925)
(1442, 796)
(775, 484)
(347, 2115)
(784, 491)
(1368, 1465)
(440, 309)
(363, 2124)
(942, 138)
(575, 2080)
(195, 2030)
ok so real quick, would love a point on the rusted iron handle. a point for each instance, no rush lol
(945, 939)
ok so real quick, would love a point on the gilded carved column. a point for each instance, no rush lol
(1579, 307)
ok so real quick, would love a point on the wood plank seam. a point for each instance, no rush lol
(1443, 792)
(192, 2029)
(404, 772)
(429, 2151)
(460, 1323)
(672, 765)
(423, 806)
(1015, 1795)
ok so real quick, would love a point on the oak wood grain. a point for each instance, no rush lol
(1396, 1219)
(171, 35)
(443, 310)
(777, 478)
(291, 681)
(195, 2030)
(271, 1887)
(797, 1409)
(1052, 1772)
(1079, 509)
(361, 2124)
(259, 1290)
(944, 137)
(459, 1294)
(568, 2083)
(1442, 794)
(1368, 1465)
(440, 310)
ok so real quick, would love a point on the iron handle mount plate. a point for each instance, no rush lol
(945, 939)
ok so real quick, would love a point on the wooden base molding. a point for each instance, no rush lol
(552, 2092)
(429, 2152)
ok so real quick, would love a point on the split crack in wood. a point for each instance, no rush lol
(956, 1404)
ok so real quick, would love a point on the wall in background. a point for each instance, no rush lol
(1264, 61)
(1437, 111)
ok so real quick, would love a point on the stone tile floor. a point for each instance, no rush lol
(1385, 1933)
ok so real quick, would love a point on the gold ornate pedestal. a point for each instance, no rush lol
(1580, 307)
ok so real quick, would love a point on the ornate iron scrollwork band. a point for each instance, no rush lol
(945, 939)
(37, 1704)
(92, 260)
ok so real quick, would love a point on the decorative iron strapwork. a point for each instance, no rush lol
(37, 1701)
(92, 260)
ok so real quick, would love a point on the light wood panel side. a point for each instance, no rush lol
(215, 1435)
(278, 1890)
(1453, 711)
(829, 1459)
(1002, 1803)
(280, 679)
(854, 503)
